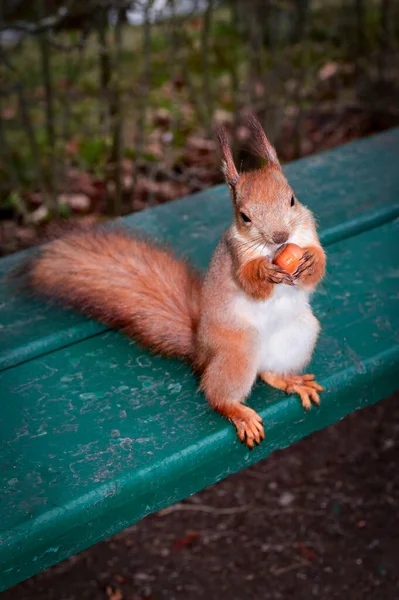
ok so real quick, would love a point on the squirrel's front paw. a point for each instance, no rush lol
(258, 276)
(311, 266)
(274, 274)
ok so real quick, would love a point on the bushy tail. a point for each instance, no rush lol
(124, 282)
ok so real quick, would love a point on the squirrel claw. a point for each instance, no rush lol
(275, 274)
(306, 264)
(307, 395)
(303, 385)
(249, 426)
(306, 388)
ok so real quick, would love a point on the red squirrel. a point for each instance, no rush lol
(246, 319)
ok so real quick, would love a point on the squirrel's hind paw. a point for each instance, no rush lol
(303, 385)
(248, 424)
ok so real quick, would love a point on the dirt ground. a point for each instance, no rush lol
(319, 519)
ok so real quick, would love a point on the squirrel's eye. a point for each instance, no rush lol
(245, 217)
(292, 201)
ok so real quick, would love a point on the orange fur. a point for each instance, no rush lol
(228, 166)
(252, 278)
(229, 372)
(260, 145)
(247, 422)
(125, 283)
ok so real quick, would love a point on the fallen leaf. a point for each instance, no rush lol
(127, 166)
(79, 203)
(178, 82)
(286, 499)
(39, 215)
(361, 524)
(306, 552)
(143, 577)
(72, 146)
(34, 198)
(185, 541)
(328, 70)
(223, 117)
(113, 593)
(162, 117)
(196, 23)
(26, 235)
(8, 113)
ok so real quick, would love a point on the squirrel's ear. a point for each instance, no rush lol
(260, 145)
(228, 166)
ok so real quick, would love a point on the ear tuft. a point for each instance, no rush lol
(228, 166)
(260, 145)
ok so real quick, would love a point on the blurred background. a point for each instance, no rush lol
(107, 107)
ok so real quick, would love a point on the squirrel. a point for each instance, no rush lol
(246, 318)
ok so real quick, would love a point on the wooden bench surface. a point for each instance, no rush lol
(96, 433)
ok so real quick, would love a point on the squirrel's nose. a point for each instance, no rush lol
(279, 237)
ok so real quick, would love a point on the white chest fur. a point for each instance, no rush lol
(285, 326)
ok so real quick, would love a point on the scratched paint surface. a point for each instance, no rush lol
(99, 434)
(349, 189)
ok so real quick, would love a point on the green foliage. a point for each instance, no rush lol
(64, 211)
(92, 153)
(13, 200)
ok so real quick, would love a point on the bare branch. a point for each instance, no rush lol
(44, 24)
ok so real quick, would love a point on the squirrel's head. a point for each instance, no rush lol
(265, 207)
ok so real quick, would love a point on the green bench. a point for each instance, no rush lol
(96, 433)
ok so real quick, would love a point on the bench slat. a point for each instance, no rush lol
(347, 188)
(99, 434)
